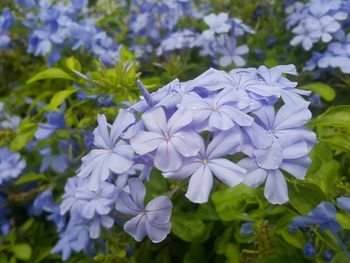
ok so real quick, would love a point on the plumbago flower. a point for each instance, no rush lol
(11, 165)
(210, 161)
(220, 40)
(152, 219)
(315, 21)
(193, 129)
(111, 154)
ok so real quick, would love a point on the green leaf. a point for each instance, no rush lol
(296, 239)
(230, 203)
(340, 257)
(3, 258)
(189, 228)
(222, 241)
(325, 91)
(304, 196)
(59, 98)
(24, 135)
(232, 253)
(73, 64)
(51, 73)
(338, 116)
(195, 254)
(343, 220)
(29, 177)
(22, 251)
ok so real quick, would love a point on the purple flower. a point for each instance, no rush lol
(220, 111)
(309, 250)
(167, 137)
(344, 203)
(11, 165)
(217, 24)
(152, 219)
(74, 238)
(55, 121)
(112, 154)
(210, 161)
(323, 215)
(280, 142)
(247, 229)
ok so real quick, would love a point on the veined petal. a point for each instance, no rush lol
(297, 167)
(180, 119)
(159, 210)
(126, 205)
(167, 157)
(144, 142)
(220, 120)
(187, 143)
(226, 171)
(123, 121)
(225, 142)
(136, 227)
(200, 185)
(137, 191)
(155, 120)
(187, 168)
(276, 190)
(291, 116)
(118, 164)
(157, 232)
(269, 158)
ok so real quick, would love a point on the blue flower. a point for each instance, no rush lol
(247, 229)
(74, 238)
(210, 161)
(112, 154)
(5, 223)
(323, 215)
(55, 121)
(344, 203)
(167, 138)
(6, 21)
(309, 250)
(11, 165)
(152, 220)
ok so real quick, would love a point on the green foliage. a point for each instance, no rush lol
(326, 91)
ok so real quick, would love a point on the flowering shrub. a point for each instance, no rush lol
(174, 131)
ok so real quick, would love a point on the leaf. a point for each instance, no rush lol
(24, 135)
(343, 220)
(230, 203)
(326, 177)
(3, 258)
(189, 228)
(340, 257)
(59, 98)
(73, 64)
(296, 239)
(223, 240)
(22, 251)
(338, 116)
(304, 196)
(51, 73)
(325, 91)
(232, 253)
(196, 253)
(29, 177)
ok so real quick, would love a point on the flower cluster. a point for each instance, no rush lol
(192, 130)
(11, 165)
(6, 21)
(220, 40)
(322, 21)
(152, 21)
(323, 216)
(65, 25)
